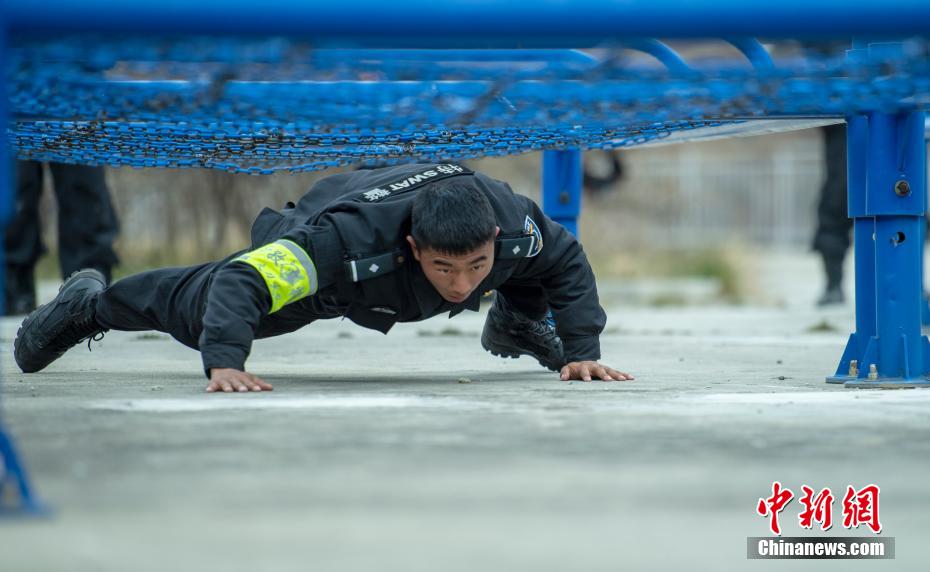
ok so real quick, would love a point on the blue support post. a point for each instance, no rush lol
(925, 304)
(857, 152)
(561, 192)
(16, 495)
(896, 354)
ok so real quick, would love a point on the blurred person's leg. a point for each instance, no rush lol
(87, 223)
(23, 240)
(833, 223)
(602, 170)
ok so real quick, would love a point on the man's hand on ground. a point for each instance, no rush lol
(585, 370)
(230, 380)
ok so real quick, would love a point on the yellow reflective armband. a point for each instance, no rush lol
(287, 270)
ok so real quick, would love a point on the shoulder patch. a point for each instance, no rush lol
(531, 228)
(414, 181)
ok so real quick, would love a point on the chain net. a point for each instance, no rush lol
(258, 106)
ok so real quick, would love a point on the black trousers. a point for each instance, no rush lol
(169, 300)
(832, 238)
(833, 223)
(529, 300)
(87, 224)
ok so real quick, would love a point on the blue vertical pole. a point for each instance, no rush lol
(561, 192)
(14, 483)
(886, 156)
(897, 355)
(857, 171)
(857, 152)
(925, 304)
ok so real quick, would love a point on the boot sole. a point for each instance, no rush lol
(35, 313)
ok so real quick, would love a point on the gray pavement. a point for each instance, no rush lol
(373, 453)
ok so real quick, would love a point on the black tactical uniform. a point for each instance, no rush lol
(342, 251)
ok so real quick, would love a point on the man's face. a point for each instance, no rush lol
(455, 277)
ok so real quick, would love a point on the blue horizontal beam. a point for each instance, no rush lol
(460, 56)
(478, 23)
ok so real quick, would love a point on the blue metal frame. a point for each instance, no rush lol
(925, 305)
(886, 165)
(12, 473)
(857, 139)
(925, 301)
(561, 189)
(754, 52)
(897, 157)
(562, 177)
(466, 23)
(662, 52)
(16, 478)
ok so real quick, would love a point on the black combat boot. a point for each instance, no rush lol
(56, 327)
(508, 333)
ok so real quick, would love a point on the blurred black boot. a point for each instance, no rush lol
(833, 294)
(19, 291)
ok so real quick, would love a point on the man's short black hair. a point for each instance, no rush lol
(452, 218)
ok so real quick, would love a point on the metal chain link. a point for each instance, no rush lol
(260, 106)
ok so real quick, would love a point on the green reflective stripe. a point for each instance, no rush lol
(287, 270)
(304, 259)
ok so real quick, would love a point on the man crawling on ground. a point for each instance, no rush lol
(398, 244)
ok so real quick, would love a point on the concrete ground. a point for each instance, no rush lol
(373, 454)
